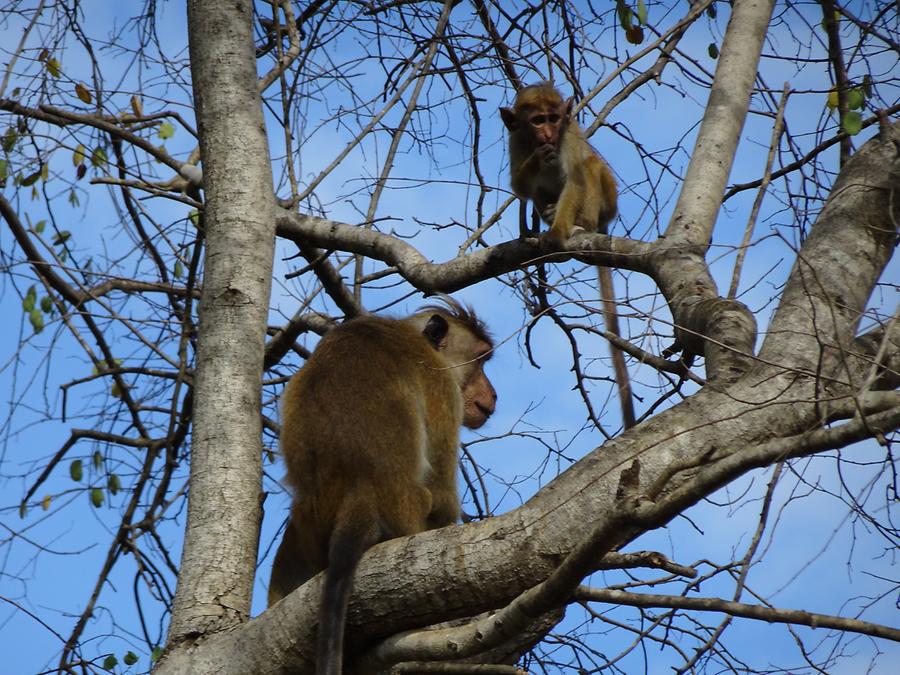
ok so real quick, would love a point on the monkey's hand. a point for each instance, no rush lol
(548, 155)
(549, 213)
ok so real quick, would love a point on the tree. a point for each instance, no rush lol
(387, 154)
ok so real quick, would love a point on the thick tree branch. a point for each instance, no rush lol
(226, 450)
(853, 239)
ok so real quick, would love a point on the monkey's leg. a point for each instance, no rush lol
(290, 569)
(405, 511)
(445, 507)
(567, 209)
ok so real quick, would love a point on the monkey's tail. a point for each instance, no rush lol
(356, 530)
(620, 370)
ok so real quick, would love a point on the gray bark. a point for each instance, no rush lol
(219, 558)
(673, 460)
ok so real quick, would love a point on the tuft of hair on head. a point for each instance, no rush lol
(545, 86)
(464, 313)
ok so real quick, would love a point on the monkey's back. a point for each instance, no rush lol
(385, 382)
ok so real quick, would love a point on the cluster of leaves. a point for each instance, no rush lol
(97, 495)
(111, 661)
(34, 309)
(627, 16)
(856, 97)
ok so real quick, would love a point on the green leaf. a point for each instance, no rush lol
(98, 459)
(36, 319)
(856, 98)
(114, 484)
(76, 470)
(625, 14)
(40, 225)
(23, 510)
(156, 654)
(194, 216)
(98, 157)
(97, 497)
(179, 269)
(73, 199)
(30, 179)
(4, 170)
(78, 155)
(9, 139)
(29, 299)
(642, 12)
(110, 662)
(712, 50)
(45, 502)
(47, 304)
(130, 658)
(867, 85)
(61, 237)
(852, 123)
(166, 130)
(53, 67)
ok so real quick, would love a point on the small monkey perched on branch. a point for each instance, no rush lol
(370, 434)
(571, 186)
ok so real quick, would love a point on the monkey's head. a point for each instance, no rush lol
(464, 342)
(539, 114)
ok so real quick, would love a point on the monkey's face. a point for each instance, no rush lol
(467, 354)
(479, 397)
(546, 124)
(465, 347)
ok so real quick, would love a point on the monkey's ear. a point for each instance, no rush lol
(509, 118)
(436, 330)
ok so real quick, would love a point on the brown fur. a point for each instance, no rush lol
(553, 165)
(370, 434)
(571, 185)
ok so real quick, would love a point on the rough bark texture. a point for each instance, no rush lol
(681, 455)
(224, 509)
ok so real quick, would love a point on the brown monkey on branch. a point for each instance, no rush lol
(571, 186)
(370, 434)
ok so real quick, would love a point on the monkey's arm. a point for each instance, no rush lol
(443, 455)
(523, 177)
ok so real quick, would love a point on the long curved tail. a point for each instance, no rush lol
(620, 370)
(356, 530)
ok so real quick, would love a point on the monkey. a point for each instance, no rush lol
(571, 186)
(370, 436)
(553, 165)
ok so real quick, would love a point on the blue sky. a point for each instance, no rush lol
(804, 559)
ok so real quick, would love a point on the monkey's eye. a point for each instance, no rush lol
(541, 120)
